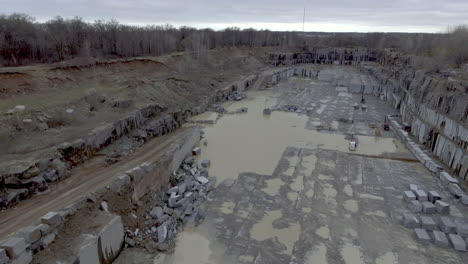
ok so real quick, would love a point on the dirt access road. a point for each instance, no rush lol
(84, 179)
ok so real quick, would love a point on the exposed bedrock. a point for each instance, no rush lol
(336, 56)
(21, 179)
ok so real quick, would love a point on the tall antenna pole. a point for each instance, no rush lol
(303, 20)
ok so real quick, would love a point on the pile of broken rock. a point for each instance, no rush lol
(175, 208)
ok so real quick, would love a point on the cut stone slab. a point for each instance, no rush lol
(14, 246)
(30, 234)
(422, 236)
(415, 206)
(428, 208)
(442, 207)
(428, 223)
(411, 221)
(196, 151)
(409, 196)
(458, 243)
(421, 195)
(447, 225)
(440, 239)
(52, 219)
(433, 196)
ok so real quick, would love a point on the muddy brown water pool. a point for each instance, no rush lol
(253, 142)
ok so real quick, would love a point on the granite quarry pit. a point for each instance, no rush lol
(245, 163)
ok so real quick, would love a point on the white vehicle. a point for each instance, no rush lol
(352, 145)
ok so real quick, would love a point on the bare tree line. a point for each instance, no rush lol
(24, 41)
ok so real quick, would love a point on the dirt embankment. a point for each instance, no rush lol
(69, 113)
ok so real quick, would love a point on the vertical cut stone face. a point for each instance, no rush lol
(111, 239)
(89, 252)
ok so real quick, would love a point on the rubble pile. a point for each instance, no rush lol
(178, 206)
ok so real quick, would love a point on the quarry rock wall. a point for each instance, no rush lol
(23, 178)
(435, 106)
(336, 56)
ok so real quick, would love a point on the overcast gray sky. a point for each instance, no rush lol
(324, 15)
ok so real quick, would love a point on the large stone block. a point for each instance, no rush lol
(446, 178)
(24, 258)
(455, 190)
(413, 188)
(462, 228)
(447, 225)
(14, 246)
(30, 234)
(89, 251)
(433, 196)
(428, 223)
(136, 173)
(415, 206)
(411, 221)
(428, 208)
(457, 242)
(440, 239)
(52, 219)
(409, 196)
(111, 239)
(421, 195)
(120, 183)
(442, 207)
(422, 236)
